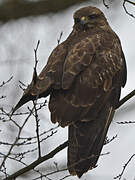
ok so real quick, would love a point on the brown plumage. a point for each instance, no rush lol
(83, 77)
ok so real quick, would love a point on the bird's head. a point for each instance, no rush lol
(88, 18)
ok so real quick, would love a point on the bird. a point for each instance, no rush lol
(84, 76)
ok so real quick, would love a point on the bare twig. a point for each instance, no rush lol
(124, 6)
(35, 101)
(4, 170)
(16, 139)
(21, 162)
(38, 161)
(107, 141)
(35, 51)
(126, 122)
(28, 141)
(37, 129)
(124, 167)
(5, 82)
(43, 133)
(56, 165)
(21, 85)
(106, 5)
(126, 98)
(133, 3)
(2, 97)
(59, 39)
(36, 62)
(65, 177)
(51, 130)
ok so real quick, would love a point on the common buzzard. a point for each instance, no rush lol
(83, 76)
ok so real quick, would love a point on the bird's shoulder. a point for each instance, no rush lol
(85, 50)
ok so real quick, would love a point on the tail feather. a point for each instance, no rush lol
(32, 92)
(22, 101)
(86, 141)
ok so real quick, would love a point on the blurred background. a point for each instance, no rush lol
(22, 24)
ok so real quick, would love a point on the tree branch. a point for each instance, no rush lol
(124, 6)
(37, 162)
(126, 98)
(106, 5)
(124, 167)
(15, 9)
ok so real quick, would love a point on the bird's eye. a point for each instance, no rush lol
(77, 20)
(92, 16)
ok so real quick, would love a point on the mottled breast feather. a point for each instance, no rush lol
(98, 55)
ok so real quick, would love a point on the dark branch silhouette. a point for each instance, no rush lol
(124, 168)
(15, 9)
(124, 6)
(38, 161)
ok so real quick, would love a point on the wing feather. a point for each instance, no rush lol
(50, 76)
(87, 80)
